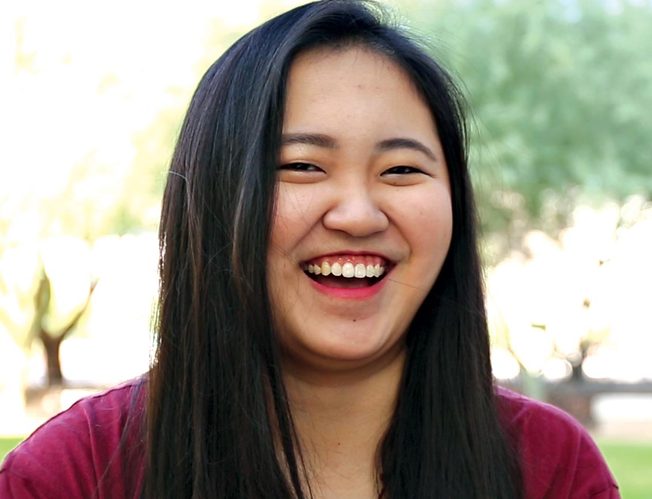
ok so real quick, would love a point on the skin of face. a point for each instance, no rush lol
(361, 173)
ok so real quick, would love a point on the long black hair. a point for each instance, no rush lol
(218, 422)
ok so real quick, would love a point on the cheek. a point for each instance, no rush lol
(428, 224)
(294, 214)
(290, 226)
(281, 219)
(281, 230)
(439, 231)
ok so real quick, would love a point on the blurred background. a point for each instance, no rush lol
(92, 96)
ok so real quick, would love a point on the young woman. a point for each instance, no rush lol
(321, 327)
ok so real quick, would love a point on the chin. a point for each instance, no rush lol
(348, 349)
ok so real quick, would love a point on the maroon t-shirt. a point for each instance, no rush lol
(78, 453)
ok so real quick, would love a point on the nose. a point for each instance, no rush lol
(355, 212)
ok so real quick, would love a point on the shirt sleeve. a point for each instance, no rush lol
(80, 453)
(558, 457)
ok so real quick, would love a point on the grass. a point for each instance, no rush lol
(6, 444)
(630, 462)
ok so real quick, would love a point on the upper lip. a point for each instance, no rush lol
(344, 253)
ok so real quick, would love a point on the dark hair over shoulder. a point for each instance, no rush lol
(216, 396)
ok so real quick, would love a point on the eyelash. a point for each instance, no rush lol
(300, 166)
(402, 170)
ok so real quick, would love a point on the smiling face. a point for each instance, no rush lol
(362, 220)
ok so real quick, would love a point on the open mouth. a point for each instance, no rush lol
(347, 271)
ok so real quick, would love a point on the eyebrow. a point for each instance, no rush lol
(309, 139)
(404, 143)
(328, 142)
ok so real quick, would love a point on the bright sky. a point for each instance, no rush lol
(80, 77)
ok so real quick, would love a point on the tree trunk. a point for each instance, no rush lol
(51, 340)
(52, 348)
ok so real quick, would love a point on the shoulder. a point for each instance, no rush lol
(89, 450)
(557, 455)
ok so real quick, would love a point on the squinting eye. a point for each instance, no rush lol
(401, 170)
(300, 167)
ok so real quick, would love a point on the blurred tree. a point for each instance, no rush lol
(108, 181)
(49, 338)
(561, 92)
(57, 185)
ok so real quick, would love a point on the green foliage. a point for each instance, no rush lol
(561, 93)
(140, 195)
(19, 284)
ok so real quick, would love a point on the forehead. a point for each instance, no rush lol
(337, 64)
(345, 86)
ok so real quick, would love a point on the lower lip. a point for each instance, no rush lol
(350, 293)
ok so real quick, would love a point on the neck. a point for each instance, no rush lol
(340, 418)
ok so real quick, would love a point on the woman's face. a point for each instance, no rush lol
(363, 218)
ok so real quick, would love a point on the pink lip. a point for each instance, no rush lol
(346, 253)
(350, 293)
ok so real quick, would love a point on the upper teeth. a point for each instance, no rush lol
(348, 270)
